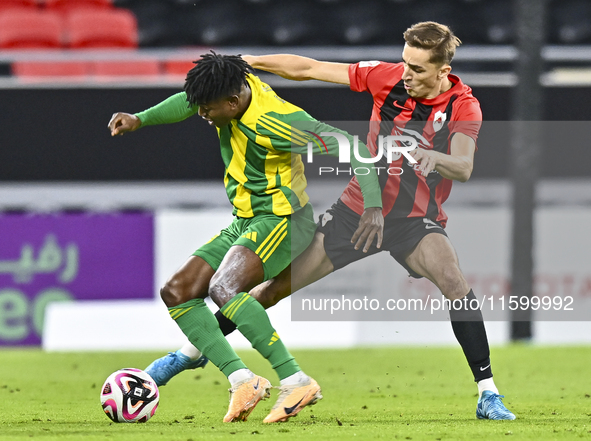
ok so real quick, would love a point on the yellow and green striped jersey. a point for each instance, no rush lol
(262, 175)
(264, 172)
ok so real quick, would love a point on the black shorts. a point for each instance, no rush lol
(400, 236)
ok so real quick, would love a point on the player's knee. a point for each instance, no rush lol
(169, 296)
(452, 283)
(268, 299)
(173, 294)
(265, 294)
(219, 292)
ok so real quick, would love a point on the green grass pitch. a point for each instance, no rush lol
(381, 393)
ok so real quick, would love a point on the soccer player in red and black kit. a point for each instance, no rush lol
(419, 93)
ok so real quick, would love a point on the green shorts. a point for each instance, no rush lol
(277, 240)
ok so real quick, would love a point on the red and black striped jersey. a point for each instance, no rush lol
(432, 122)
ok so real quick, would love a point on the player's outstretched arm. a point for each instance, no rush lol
(123, 122)
(172, 110)
(295, 67)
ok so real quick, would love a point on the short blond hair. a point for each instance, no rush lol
(437, 38)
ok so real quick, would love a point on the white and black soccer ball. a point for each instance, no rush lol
(129, 396)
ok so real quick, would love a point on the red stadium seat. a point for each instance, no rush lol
(176, 67)
(18, 4)
(126, 68)
(68, 5)
(65, 7)
(51, 68)
(95, 28)
(30, 29)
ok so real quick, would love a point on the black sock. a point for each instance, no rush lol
(226, 325)
(468, 327)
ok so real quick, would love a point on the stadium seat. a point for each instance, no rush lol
(292, 24)
(498, 22)
(570, 22)
(51, 68)
(18, 4)
(126, 68)
(358, 23)
(30, 29)
(177, 67)
(157, 24)
(186, 2)
(67, 5)
(109, 28)
(213, 23)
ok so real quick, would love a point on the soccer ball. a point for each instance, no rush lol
(129, 395)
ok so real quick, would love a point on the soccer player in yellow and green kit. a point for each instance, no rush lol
(265, 182)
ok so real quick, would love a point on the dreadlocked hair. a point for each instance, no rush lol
(214, 77)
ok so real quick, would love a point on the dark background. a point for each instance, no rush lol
(61, 134)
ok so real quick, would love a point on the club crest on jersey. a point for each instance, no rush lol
(439, 120)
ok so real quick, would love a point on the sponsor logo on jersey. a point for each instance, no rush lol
(368, 63)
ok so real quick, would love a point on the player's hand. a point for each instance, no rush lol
(123, 122)
(427, 160)
(370, 225)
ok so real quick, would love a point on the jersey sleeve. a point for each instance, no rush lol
(171, 110)
(358, 75)
(293, 133)
(468, 119)
(370, 76)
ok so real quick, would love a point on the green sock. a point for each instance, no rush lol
(253, 322)
(201, 328)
